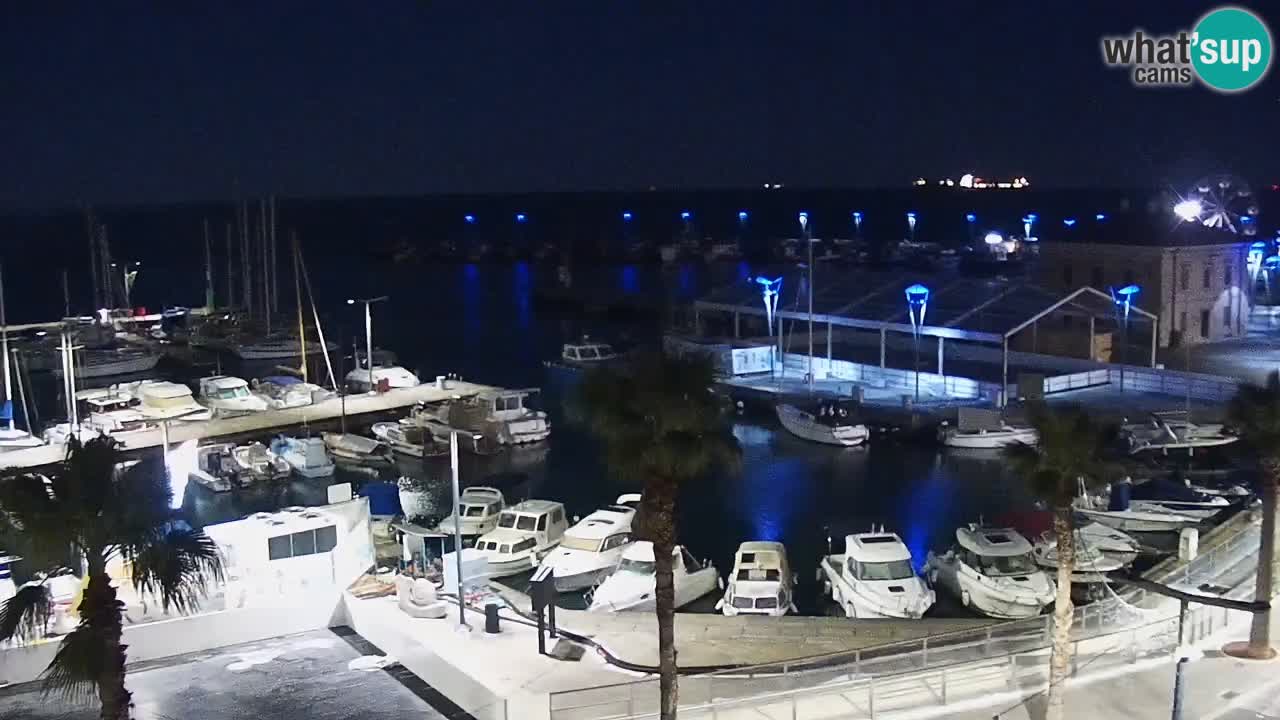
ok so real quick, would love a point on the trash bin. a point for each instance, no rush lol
(491, 619)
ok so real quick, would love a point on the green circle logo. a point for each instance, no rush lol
(1231, 49)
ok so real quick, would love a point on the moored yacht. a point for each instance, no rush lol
(874, 578)
(1122, 513)
(525, 534)
(216, 468)
(829, 422)
(631, 586)
(480, 508)
(358, 449)
(587, 353)
(255, 462)
(761, 582)
(162, 400)
(307, 456)
(229, 396)
(992, 571)
(590, 550)
(390, 377)
(984, 430)
(283, 391)
(1099, 551)
(1165, 432)
(411, 440)
(501, 417)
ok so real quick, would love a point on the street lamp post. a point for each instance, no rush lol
(917, 304)
(808, 241)
(368, 332)
(769, 290)
(1123, 299)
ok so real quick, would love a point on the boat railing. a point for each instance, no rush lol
(946, 667)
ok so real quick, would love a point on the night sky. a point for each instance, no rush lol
(158, 102)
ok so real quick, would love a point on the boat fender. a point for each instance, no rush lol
(720, 604)
(719, 582)
(850, 611)
(933, 576)
(964, 598)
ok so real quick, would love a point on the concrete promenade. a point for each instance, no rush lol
(331, 409)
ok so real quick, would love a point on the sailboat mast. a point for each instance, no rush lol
(66, 295)
(297, 292)
(324, 347)
(4, 342)
(208, 268)
(231, 276)
(265, 287)
(275, 279)
(243, 212)
(91, 228)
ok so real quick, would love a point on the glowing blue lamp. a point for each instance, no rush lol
(685, 215)
(917, 304)
(521, 217)
(970, 217)
(804, 220)
(1100, 217)
(993, 238)
(769, 290)
(626, 216)
(470, 219)
(742, 216)
(1124, 297)
(1069, 222)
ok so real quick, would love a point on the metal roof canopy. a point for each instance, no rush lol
(984, 311)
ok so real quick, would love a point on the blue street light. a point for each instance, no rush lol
(626, 216)
(917, 305)
(521, 217)
(1069, 222)
(769, 291)
(470, 219)
(970, 217)
(857, 217)
(1100, 217)
(685, 215)
(742, 216)
(993, 238)
(804, 220)
(1256, 252)
(1123, 298)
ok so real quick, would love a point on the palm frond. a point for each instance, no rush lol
(138, 503)
(1069, 450)
(176, 563)
(26, 614)
(1254, 411)
(73, 674)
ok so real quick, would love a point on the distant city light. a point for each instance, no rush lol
(970, 217)
(911, 221)
(966, 180)
(742, 216)
(804, 220)
(470, 219)
(626, 216)
(857, 217)
(685, 215)
(521, 217)
(993, 238)
(1100, 217)
(1188, 210)
(1069, 222)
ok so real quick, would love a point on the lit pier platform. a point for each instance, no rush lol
(262, 422)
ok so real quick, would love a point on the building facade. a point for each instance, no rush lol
(1201, 292)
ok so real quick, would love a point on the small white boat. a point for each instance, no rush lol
(981, 429)
(992, 571)
(282, 391)
(587, 353)
(1092, 562)
(590, 550)
(526, 533)
(1165, 432)
(161, 400)
(307, 456)
(216, 469)
(119, 361)
(229, 396)
(481, 507)
(409, 439)
(356, 448)
(278, 349)
(761, 582)
(874, 578)
(390, 377)
(1122, 513)
(15, 439)
(829, 423)
(255, 462)
(631, 586)
(500, 417)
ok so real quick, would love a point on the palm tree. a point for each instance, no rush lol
(1067, 454)
(102, 510)
(661, 424)
(1255, 413)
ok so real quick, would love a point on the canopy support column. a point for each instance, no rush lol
(882, 341)
(1004, 373)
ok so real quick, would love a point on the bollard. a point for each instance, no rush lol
(491, 625)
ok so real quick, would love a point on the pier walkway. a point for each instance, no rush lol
(351, 406)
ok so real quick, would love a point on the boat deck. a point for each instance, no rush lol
(181, 430)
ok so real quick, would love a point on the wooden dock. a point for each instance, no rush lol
(262, 422)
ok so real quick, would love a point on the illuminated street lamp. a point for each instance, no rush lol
(368, 332)
(1188, 210)
(521, 218)
(917, 305)
(857, 222)
(769, 291)
(469, 219)
(742, 216)
(911, 225)
(1123, 299)
(1028, 221)
(808, 241)
(626, 216)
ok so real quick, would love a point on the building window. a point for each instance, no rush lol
(1066, 275)
(1226, 317)
(1208, 268)
(1204, 323)
(1096, 279)
(1185, 277)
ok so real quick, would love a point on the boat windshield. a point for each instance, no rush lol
(473, 511)
(231, 393)
(507, 520)
(640, 567)
(519, 522)
(999, 565)
(569, 542)
(892, 570)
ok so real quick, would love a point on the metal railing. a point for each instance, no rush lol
(941, 659)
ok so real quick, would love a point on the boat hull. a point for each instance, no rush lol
(987, 441)
(797, 424)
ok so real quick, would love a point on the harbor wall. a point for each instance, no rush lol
(189, 634)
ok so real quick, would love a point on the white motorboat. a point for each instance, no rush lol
(15, 439)
(981, 429)
(481, 507)
(278, 349)
(587, 353)
(526, 533)
(229, 396)
(631, 586)
(255, 462)
(282, 391)
(119, 424)
(390, 377)
(356, 448)
(761, 582)
(590, 550)
(307, 456)
(874, 578)
(1092, 562)
(499, 416)
(409, 439)
(1122, 513)
(117, 361)
(992, 571)
(216, 469)
(1165, 432)
(161, 400)
(829, 423)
